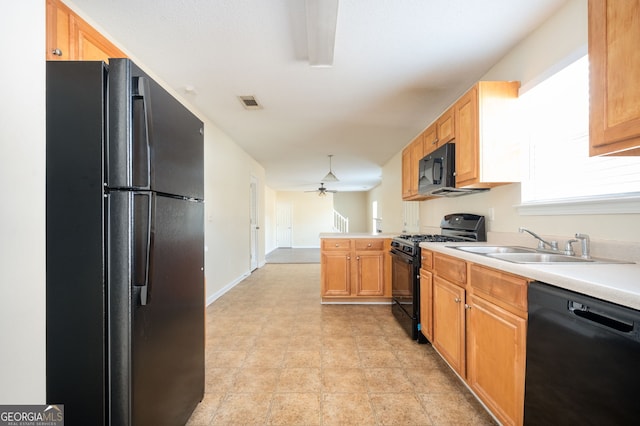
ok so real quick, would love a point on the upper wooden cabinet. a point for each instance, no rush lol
(482, 124)
(411, 157)
(614, 90)
(487, 153)
(437, 134)
(440, 132)
(70, 38)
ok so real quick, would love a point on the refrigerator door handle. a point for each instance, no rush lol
(143, 244)
(142, 141)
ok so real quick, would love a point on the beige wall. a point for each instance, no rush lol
(270, 220)
(228, 171)
(22, 211)
(310, 216)
(22, 216)
(354, 206)
(389, 197)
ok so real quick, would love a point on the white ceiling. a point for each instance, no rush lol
(397, 65)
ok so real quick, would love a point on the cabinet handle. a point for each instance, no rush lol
(357, 257)
(56, 52)
(369, 245)
(337, 245)
(435, 141)
(457, 300)
(348, 257)
(467, 306)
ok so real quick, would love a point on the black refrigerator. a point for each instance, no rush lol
(124, 247)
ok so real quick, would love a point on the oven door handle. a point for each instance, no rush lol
(401, 256)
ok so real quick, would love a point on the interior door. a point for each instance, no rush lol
(283, 225)
(255, 228)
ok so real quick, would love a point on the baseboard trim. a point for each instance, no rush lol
(226, 288)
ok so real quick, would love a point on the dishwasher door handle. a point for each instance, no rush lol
(605, 319)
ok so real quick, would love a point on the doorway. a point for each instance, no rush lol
(283, 225)
(255, 228)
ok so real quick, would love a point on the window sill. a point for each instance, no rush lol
(622, 204)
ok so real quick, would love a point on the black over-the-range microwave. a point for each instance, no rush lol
(437, 174)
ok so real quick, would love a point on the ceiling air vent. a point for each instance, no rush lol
(249, 102)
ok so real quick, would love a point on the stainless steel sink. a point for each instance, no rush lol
(494, 249)
(538, 258)
(517, 254)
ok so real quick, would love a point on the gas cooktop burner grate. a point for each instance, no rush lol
(429, 238)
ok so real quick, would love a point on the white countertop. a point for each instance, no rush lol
(357, 235)
(617, 283)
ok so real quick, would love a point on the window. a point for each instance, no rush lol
(560, 171)
(377, 221)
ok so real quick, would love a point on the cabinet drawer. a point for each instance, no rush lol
(336, 244)
(450, 268)
(506, 288)
(377, 244)
(426, 259)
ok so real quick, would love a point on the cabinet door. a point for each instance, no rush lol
(614, 59)
(496, 341)
(58, 41)
(406, 173)
(430, 139)
(369, 273)
(467, 149)
(336, 273)
(448, 323)
(446, 127)
(91, 45)
(426, 304)
(417, 152)
(70, 38)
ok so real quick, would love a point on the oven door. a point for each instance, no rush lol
(403, 278)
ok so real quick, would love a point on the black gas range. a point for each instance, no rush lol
(405, 254)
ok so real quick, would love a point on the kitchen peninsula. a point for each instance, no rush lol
(355, 268)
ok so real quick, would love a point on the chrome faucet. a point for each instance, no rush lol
(568, 248)
(553, 245)
(584, 240)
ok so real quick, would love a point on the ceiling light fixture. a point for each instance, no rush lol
(322, 16)
(330, 177)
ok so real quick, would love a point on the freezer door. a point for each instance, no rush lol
(156, 288)
(155, 143)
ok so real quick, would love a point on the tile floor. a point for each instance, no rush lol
(276, 356)
(294, 255)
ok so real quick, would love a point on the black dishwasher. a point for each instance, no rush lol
(583, 360)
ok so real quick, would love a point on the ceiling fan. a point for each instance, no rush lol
(322, 191)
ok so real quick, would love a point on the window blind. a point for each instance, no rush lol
(556, 127)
